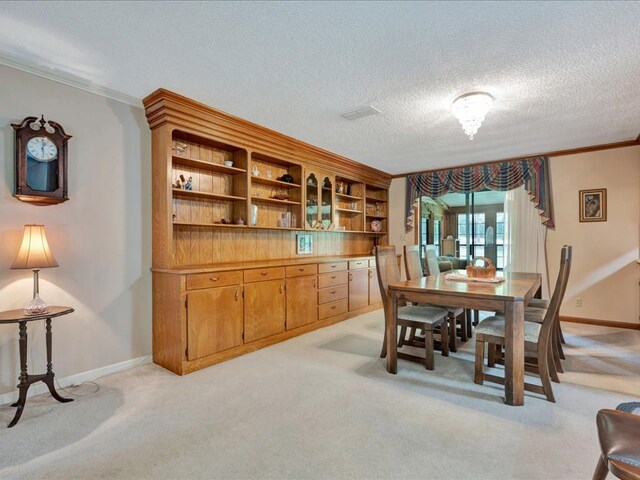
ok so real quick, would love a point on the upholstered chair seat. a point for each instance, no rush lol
(538, 303)
(421, 313)
(494, 326)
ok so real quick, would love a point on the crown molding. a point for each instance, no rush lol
(67, 79)
(557, 153)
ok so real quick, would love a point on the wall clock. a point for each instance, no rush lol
(40, 161)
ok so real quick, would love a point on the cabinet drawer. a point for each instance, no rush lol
(372, 263)
(331, 309)
(332, 279)
(332, 267)
(332, 294)
(301, 270)
(357, 264)
(260, 274)
(214, 279)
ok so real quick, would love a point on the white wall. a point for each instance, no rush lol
(604, 271)
(604, 274)
(101, 237)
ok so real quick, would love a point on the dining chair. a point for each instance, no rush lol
(461, 315)
(427, 318)
(413, 267)
(619, 437)
(535, 314)
(537, 337)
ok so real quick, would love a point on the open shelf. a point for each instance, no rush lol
(375, 199)
(201, 164)
(377, 217)
(204, 224)
(348, 210)
(273, 183)
(211, 196)
(273, 201)
(348, 198)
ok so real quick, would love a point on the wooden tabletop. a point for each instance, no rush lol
(13, 316)
(515, 287)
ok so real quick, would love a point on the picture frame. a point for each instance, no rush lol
(593, 205)
(304, 243)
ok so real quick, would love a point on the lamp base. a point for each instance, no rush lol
(36, 306)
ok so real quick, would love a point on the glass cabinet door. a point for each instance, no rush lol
(311, 207)
(326, 215)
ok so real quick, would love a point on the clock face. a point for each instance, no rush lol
(42, 149)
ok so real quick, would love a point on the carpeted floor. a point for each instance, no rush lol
(323, 406)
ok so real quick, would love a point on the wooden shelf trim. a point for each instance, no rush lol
(210, 196)
(378, 217)
(214, 167)
(374, 199)
(348, 210)
(273, 201)
(348, 197)
(273, 183)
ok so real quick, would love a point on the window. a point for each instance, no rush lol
(436, 236)
(500, 239)
(477, 229)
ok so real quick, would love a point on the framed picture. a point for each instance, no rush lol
(305, 243)
(593, 205)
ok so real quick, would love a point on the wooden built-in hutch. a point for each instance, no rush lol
(227, 276)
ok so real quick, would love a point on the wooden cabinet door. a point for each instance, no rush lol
(214, 320)
(374, 288)
(264, 309)
(358, 289)
(302, 303)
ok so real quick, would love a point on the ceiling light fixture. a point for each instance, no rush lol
(470, 109)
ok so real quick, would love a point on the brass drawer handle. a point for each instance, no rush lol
(214, 279)
(314, 283)
(351, 277)
(334, 307)
(264, 274)
(333, 277)
(334, 265)
(333, 292)
(301, 269)
(236, 296)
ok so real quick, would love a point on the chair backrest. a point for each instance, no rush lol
(433, 267)
(387, 268)
(412, 262)
(558, 292)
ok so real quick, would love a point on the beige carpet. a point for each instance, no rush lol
(323, 406)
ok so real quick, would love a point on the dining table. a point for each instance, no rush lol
(508, 297)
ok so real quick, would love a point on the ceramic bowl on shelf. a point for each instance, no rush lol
(228, 163)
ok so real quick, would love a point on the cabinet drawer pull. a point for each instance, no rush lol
(236, 296)
(214, 279)
(351, 277)
(280, 288)
(370, 274)
(264, 274)
(333, 277)
(301, 269)
(334, 265)
(334, 307)
(333, 292)
(358, 263)
(314, 283)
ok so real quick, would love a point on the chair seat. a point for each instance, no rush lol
(629, 407)
(619, 435)
(494, 326)
(422, 314)
(534, 314)
(538, 303)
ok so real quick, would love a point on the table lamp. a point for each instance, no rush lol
(34, 254)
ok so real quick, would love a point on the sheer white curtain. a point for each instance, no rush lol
(524, 237)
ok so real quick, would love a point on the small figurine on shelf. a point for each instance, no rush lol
(189, 184)
(255, 172)
(178, 183)
(240, 221)
(348, 192)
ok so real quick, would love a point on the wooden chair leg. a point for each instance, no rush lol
(403, 333)
(476, 317)
(556, 346)
(444, 337)
(553, 372)
(478, 374)
(561, 335)
(464, 334)
(559, 341)
(452, 333)
(467, 317)
(491, 357)
(383, 352)
(428, 349)
(601, 469)
(543, 366)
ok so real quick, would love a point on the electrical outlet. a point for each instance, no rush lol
(578, 301)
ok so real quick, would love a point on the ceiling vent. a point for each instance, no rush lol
(361, 113)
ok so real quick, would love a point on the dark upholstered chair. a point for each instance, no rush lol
(619, 436)
(426, 318)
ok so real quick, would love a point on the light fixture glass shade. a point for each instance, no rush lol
(34, 254)
(470, 109)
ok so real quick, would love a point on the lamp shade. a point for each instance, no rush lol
(34, 252)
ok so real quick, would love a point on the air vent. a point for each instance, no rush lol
(361, 113)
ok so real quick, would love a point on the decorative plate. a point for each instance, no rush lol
(376, 226)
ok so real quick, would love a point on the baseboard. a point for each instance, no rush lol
(78, 378)
(602, 323)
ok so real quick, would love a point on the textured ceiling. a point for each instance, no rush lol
(563, 74)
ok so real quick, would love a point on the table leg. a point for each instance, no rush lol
(514, 353)
(391, 332)
(23, 384)
(48, 378)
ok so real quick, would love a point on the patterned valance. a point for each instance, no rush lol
(533, 173)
